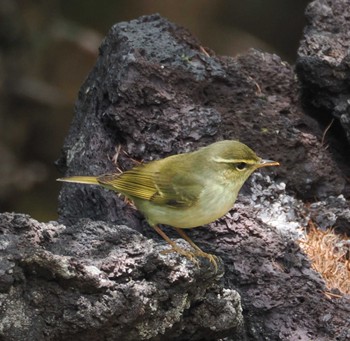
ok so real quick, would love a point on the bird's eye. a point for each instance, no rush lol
(241, 166)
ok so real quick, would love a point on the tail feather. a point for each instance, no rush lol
(90, 180)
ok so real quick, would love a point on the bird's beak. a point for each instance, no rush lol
(266, 163)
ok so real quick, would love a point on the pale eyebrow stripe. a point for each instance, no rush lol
(221, 160)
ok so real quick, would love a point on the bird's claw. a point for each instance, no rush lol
(211, 258)
(192, 256)
(188, 254)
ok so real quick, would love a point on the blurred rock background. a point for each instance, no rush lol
(47, 49)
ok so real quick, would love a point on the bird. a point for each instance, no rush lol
(186, 190)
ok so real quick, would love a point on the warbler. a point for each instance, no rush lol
(185, 190)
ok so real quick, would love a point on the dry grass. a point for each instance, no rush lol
(330, 256)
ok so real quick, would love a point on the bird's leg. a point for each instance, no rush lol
(176, 248)
(199, 252)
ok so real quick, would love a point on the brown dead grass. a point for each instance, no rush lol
(330, 256)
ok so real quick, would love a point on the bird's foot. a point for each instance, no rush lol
(211, 258)
(193, 256)
(188, 254)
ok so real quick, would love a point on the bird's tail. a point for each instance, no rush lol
(90, 180)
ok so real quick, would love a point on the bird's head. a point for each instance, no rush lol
(235, 160)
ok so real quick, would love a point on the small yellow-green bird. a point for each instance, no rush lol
(185, 190)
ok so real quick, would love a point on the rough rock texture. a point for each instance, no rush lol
(154, 91)
(96, 280)
(99, 281)
(333, 211)
(323, 63)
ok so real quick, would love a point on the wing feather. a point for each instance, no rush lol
(163, 185)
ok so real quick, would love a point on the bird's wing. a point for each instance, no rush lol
(175, 188)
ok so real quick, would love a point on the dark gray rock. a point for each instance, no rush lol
(331, 212)
(96, 280)
(99, 281)
(323, 63)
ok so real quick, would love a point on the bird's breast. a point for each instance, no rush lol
(214, 202)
